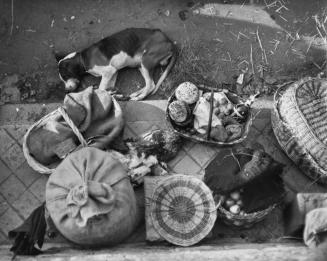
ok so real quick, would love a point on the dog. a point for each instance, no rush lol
(132, 47)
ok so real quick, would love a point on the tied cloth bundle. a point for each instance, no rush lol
(95, 113)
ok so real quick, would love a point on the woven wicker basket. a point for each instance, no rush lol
(182, 209)
(243, 221)
(196, 138)
(37, 166)
(300, 125)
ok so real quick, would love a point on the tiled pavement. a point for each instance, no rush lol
(22, 189)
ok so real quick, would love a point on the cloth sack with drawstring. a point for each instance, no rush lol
(91, 200)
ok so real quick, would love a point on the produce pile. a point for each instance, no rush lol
(233, 202)
(217, 116)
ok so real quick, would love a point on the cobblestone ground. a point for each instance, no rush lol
(22, 189)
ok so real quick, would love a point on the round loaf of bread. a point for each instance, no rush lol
(179, 111)
(187, 92)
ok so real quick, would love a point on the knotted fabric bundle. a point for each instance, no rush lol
(90, 199)
(95, 113)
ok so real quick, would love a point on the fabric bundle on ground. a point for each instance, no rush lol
(95, 113)
(90, 199)
(254, 171)
(30, 233)
(296, 211)
(307, 215)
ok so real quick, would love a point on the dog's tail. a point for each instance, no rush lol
(168, 68)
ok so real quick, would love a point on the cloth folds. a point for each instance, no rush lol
(30, 233)
(95, 113)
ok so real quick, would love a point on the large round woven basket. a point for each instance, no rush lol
(183, 210)
(246, 220)
(37, 166)
(184, 133)
(299, 121)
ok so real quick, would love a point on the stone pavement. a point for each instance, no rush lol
(22, 189)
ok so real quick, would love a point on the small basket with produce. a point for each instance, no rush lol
(247, 184)
(218, 117)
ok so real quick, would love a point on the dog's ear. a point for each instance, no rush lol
(59, 55)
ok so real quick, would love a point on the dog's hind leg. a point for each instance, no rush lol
(149, 85)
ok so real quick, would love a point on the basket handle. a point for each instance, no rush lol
(72, 126)
(210, 115)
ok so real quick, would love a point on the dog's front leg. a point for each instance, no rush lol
(113, 80)
(107, 76)
(149, 85)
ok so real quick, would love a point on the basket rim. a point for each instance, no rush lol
(250, 217)
(32, 162)
(247, 127)
(277, 95)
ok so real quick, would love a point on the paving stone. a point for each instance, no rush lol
(38, 187)
(14, 157)
(267, 144)
(187, 166)
(26, 174)
(280, 156)
(201, 174)
(180, 155)
(12, 188)
(9, 220)
(139, 127)
(251, 138)
(201, 153)
(159, 125)
(128, 133)
(26, 203)
(5, 140)
(139, 111)
(3, 205)
(4, 171)
(187, 144)
(261, 123)
(3, 239)
(299, 182)
(17, 131)
(262, 113)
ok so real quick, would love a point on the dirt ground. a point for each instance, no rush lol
(214, 46)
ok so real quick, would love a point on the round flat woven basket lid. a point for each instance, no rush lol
(183, 210)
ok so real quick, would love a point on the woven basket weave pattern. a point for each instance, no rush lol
(300, 125)
(183, 210)
(246, 220)
(49, 117)
(246, 129)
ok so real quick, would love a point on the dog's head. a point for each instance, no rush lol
(70, 70)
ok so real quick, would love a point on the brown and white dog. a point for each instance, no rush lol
(133, 47)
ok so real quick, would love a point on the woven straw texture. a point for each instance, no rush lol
(37, 166)
(196, 138)
(244, 221)
(299, 121)
(183, 210)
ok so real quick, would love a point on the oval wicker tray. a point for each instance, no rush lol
(290, 141)
(196, 138)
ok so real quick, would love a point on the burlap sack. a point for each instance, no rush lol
(90, 199)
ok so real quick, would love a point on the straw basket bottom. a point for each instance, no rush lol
(299, 124)
(243, 221)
